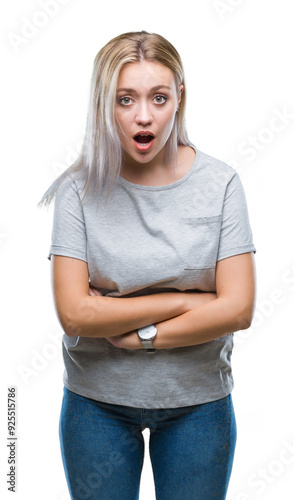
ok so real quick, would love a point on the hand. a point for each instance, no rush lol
(128, 340)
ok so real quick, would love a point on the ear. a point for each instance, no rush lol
(181, 88)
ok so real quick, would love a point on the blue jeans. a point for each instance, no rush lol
(191, 449)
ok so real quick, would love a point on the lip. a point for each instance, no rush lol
(144, 132)
(143, 146)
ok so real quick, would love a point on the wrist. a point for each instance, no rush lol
(156, 341)
(147, 335)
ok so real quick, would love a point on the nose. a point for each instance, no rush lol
(143, 114)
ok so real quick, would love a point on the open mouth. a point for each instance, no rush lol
(143, 138)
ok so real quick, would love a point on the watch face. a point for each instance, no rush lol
(148, 332)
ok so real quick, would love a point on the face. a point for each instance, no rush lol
(146, 105)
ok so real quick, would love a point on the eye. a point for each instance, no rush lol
(125, 101)
(160, 99)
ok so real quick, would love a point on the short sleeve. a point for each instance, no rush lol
(236, 234)
(68, 236)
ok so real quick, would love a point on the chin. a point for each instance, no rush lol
(144, 158)
(141, 157)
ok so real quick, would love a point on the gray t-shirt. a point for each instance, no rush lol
(146, 240)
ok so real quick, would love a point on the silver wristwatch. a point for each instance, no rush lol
(146, 335)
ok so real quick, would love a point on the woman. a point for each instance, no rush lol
(152, 273)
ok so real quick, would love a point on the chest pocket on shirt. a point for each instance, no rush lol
(200, 239)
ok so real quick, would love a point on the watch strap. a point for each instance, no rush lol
(148, 346)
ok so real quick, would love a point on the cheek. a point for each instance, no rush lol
(168, 121)
(123, 127)
(122, 119)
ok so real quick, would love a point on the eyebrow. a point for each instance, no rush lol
(154, 89)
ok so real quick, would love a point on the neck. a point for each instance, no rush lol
(142, 172)
(158, 172)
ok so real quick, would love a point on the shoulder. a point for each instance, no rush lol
(213, 181)
(68, 196)
(70, 184)
(212, 168)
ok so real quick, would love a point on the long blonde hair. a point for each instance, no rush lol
(100, 160)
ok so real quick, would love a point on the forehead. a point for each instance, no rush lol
(145, 74)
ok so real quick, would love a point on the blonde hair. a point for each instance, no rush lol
(100, 160)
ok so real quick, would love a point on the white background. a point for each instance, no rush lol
(238, 59)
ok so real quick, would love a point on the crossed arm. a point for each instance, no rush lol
(182, 318)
